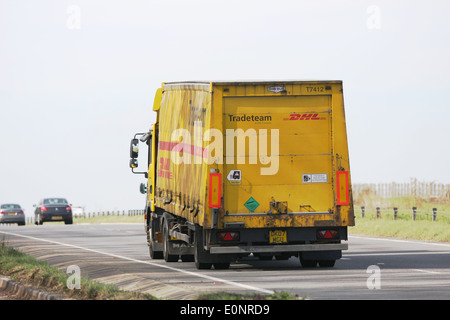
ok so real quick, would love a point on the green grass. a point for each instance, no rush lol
(111, 219)
(278, 295)
(404, 227)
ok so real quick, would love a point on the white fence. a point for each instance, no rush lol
(112, 213)
(413, 188)
(94, 214)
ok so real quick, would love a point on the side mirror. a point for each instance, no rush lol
(133, 163)
(134, 148)
(143, 188)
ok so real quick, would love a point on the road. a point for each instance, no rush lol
(372, 268)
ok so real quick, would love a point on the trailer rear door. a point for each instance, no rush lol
(302, 181)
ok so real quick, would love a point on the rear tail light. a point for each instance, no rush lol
(2, 211)
(20, 211)
(327, 234)
(228, 236)
(43, 209)
(68, 208)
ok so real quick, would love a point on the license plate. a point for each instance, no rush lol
(56, 217)
(278, 236)
(12, 213)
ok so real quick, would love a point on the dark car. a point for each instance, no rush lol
(53, 209)
(12, 213)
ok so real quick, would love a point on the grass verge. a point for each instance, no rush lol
(30, 271)
(111, 219)
(404, 227)
(281, 295)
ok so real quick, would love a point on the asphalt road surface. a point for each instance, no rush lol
(372, 268)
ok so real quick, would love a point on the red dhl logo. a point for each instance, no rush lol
(304, 116)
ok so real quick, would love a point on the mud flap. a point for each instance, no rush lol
(203, 258)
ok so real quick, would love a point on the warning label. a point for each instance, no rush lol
(251, 204)
(234, 176)
(315, 178)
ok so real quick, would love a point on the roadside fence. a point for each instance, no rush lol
(129, 213)
(88, 215)
(414, 188)
(412, 213)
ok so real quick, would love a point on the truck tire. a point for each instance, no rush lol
(199, 254)
(327, 263)
(306, 263)
(263, 257)
(187, 258)
(153, 254)
(150, 229)
(325, 259)
(166, 244)
(221, 265)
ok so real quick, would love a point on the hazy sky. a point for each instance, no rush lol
(77, 80)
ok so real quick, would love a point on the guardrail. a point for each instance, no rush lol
(414, 213)
(88, 215)
(111, 213)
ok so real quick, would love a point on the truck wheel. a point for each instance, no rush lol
(153, 254)
(221, 265)
(327, 263)
(187, 258)
(198, 252)
(203, 265)
(307, 263)
(166, 245)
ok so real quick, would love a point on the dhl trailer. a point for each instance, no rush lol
(247, 168)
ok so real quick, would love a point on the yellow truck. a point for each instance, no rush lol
(247, 168)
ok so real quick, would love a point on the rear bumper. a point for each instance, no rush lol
(55, 217)
(4, 218)
(279, 248)
(302, 239)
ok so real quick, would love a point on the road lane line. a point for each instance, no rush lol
(407, 253)
(204, 276)
(401, 240)
(426, 271)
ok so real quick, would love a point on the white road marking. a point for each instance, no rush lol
(204, 276)
(366, 254)
(426, 271)
(404, 241)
